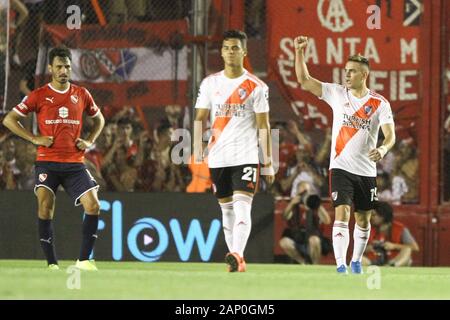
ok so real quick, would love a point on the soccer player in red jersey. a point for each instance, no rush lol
(59, 107)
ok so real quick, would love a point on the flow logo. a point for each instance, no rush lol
(148, 239)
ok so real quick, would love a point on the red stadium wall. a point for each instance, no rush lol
(419, 111)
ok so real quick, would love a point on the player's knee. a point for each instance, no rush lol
(45, 209)
(285, 243)
(314, 242)
(92, 207)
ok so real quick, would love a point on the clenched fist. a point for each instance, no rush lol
(300, 43)
(45, 141)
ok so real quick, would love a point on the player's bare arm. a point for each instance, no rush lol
(201, 115)
(265, 140)
(388, 142)
(12, 122)
(99, 123)
(307, 82)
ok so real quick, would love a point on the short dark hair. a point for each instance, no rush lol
(236, 34)
(61, 52)
(385, 210)
(124, 122)
(360, 59)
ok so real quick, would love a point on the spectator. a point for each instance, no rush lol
(303, 240)
(391, 193)
(7, 179)
(121, 11)
(26, 155)
(406, 172)
(121, 173)
(168, 176)
(390, 242)
(9, 152)
(287, 149)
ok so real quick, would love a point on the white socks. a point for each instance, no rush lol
(242, 206)
(360, 238)
(341, 239)
(228, 218)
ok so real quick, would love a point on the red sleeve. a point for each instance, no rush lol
(90, 107)
(28, 104)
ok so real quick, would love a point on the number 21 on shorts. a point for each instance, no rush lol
(248, 173)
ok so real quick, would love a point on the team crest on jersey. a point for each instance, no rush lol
(63, 112)
(42, 177)
(242, 93)
(74, 98)
(334, 195)
(367, 109)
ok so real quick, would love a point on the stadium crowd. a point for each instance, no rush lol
(128, 157)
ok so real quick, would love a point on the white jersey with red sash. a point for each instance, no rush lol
(233, 104)
(356, 122)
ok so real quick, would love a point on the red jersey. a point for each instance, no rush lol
(395, 236)
(59, 114)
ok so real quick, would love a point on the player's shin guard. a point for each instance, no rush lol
(242, 205)
(360, 238)
(340, 241)
(90, 225)
(47, 240)
(228, 218)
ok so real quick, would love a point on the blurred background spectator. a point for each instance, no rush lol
(390, 243)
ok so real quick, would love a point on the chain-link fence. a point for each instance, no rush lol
(142, 60)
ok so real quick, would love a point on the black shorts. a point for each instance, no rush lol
(239, 178)
(74, 177)
(348, 188)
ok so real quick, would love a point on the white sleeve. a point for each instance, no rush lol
(328, 92)
(261, 99)
(203, 98)
(386, 114)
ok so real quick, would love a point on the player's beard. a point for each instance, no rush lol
(62, 80)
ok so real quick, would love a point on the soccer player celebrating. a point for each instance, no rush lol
(59, 107)
(358, 114)
(237, 102)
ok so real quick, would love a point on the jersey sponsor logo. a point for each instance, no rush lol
(334, 195)
(42, 177)
(74, 98)
(63, 112)
(50, 99)
(65, 121)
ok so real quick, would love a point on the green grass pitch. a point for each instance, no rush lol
(29, 279)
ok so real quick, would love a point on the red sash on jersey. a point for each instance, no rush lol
(346, 133)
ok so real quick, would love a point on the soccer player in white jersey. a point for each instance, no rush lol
(237, 103)
(358, 114)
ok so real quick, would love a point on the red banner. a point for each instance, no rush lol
(142, 64)
(388, 34)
